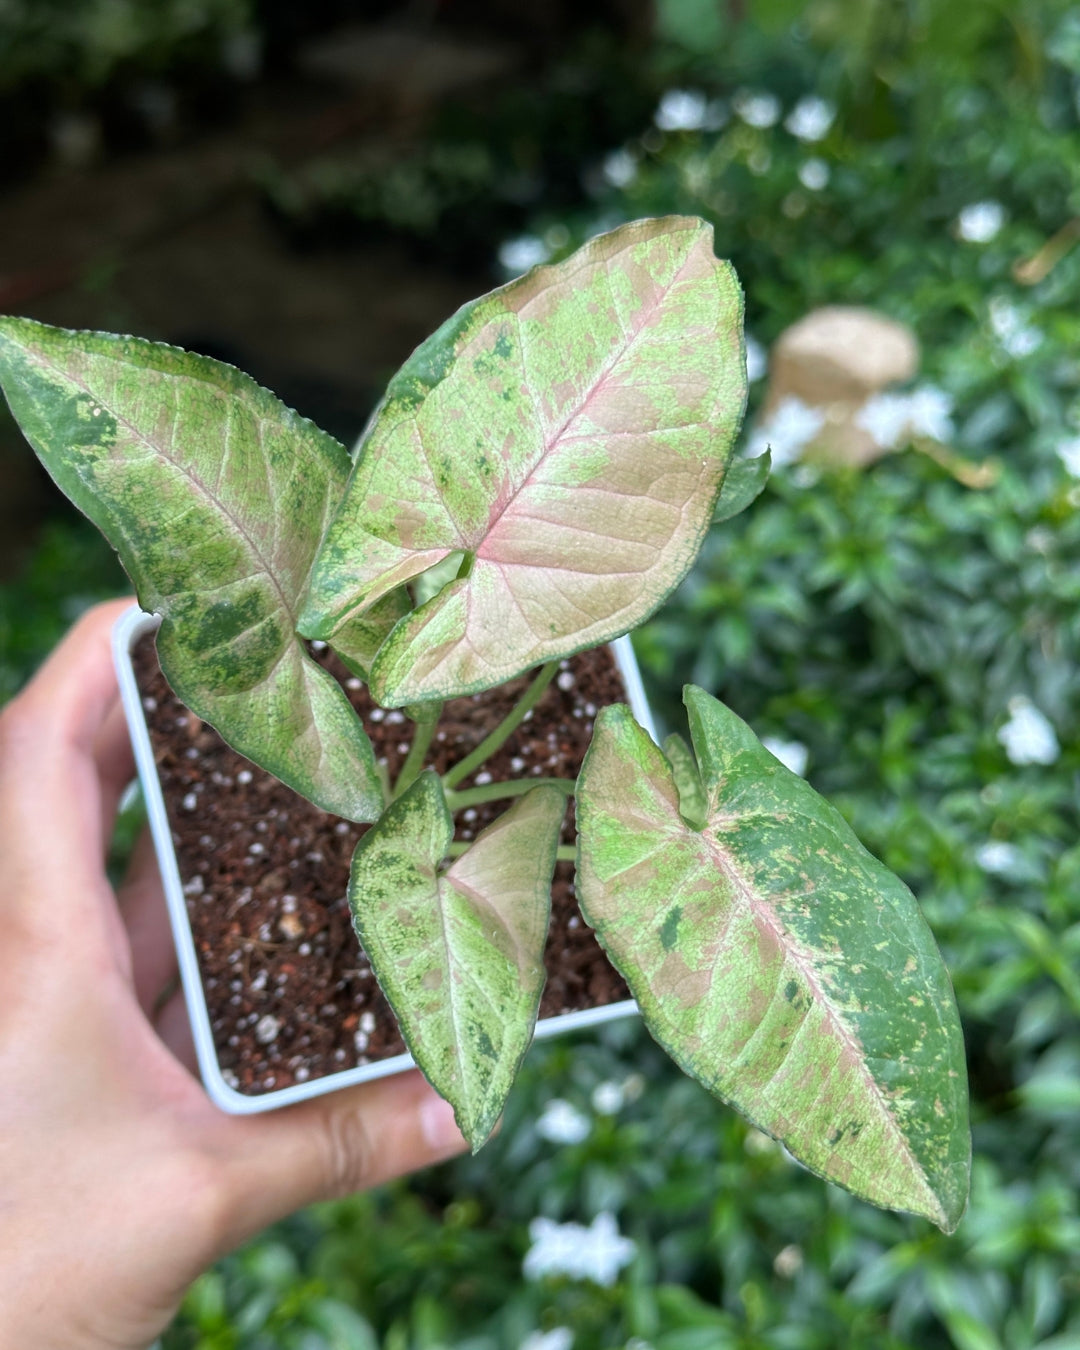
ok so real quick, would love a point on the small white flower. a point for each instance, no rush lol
(997, 857)
(562, 1123)
(757, 108)
(558, 1338)
(792, 754)
(1018, 338)
(788, 1261)
(886, 417)
(518, 255)
(792, 426)
(757, 359)
(1069, 454)
(810, 119)
(620, 168)
(595, 1253)
(930, 413)
(1028, 736)
(814, 174)
(608, 1098)
(980, 222)
(682, 110)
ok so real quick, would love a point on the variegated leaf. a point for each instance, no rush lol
(358, 640)
(460, 954)
(568, 434)
(777, 960)
(215, 495)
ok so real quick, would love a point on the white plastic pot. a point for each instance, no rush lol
(132, 626)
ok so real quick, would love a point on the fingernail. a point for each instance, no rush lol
(439, 1128)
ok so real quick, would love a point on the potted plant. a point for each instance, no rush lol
(281, 1002)
(538, 477)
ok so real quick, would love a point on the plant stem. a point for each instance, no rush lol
(384, 780)
(510, 723)
(414, 760)
(564, 853)
(492, 792)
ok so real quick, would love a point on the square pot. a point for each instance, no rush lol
(130, 628)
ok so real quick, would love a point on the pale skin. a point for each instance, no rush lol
(119, 1180)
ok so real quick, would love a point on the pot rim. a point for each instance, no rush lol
(133, 624)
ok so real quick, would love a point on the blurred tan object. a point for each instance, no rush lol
(833, 361)
(1030, 271)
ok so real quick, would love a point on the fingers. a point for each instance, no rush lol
(115, 761)
(335, 1145)
(50, 736)
(173, 1027)
(146, 918)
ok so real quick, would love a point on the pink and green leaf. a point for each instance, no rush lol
(215, 495)
(569, 434)
(777, 960)
(460, 954)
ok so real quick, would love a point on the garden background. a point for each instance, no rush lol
(307, 191)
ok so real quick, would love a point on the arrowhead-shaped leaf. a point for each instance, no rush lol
(777, 960)
(215, 496)
(568, 433)
(460, 954)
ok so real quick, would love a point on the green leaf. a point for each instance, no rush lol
(778, 961)
(744, 482)
(568, 434)
(693, 806)
(358, 640)
(215, 496)
(460, 954)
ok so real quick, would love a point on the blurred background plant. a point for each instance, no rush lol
(907, 633)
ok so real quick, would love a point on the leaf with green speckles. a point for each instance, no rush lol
(358, 640)
(460, 954)
(776, 960)
(567, 433)
(744, 482)
(693, 806)
(215, 496)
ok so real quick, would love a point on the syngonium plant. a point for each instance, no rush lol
(538, 477)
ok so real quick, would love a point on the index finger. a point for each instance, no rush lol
(50, 740)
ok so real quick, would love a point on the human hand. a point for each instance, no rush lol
(119, 1180)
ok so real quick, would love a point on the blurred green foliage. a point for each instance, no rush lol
(885, 619)
(82, 45)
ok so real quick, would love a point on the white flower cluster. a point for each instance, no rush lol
(689, 110)
(810, 119)
(893, 418)
(997, 857)
(1028, 736)
(790, 429)
(518, 255)
(1069, 454)
(1017, 337)
(562, 1123)
(558, 1338)
(980, 222)
(619, 168)
(814, 174)
(757, 108)
(596, 1253)
(890, 419)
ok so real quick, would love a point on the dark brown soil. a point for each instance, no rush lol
(290, 991)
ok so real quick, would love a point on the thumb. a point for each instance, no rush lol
(332, 1146)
